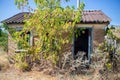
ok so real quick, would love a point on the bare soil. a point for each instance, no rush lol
(12, 74)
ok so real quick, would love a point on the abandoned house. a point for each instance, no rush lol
(94, 22)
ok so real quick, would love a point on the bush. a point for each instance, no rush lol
(4, 40)
(23, 66)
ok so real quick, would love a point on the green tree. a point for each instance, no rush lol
(3, 38)
(51, 22)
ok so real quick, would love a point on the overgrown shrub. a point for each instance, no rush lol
(53, 25)
(111, 47)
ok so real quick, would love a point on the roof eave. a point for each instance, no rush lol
(94, 22)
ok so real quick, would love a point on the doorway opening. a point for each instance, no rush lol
(82, 41)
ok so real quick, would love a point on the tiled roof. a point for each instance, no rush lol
(18, 18)
(94, 16)
(88, 16)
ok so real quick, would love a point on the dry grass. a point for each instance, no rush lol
(4, 64)
(8, 72)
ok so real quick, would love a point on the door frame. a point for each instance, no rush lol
(90, 42)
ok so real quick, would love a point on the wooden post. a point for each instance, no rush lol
(31, 38)
(78, 3)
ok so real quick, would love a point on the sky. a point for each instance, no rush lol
(110, 7)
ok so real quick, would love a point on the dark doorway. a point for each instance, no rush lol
(82, 39)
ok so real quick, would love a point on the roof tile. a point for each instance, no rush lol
(88, 16)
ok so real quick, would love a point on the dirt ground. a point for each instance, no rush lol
(8, 72)
(12, 74)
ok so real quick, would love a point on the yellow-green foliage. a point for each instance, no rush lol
(23, 66)
(109, 66)
(20, 61)
(50, 22)
(111, 47)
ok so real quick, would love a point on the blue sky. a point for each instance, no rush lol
(109, 7)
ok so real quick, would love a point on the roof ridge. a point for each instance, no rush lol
(91, 10)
